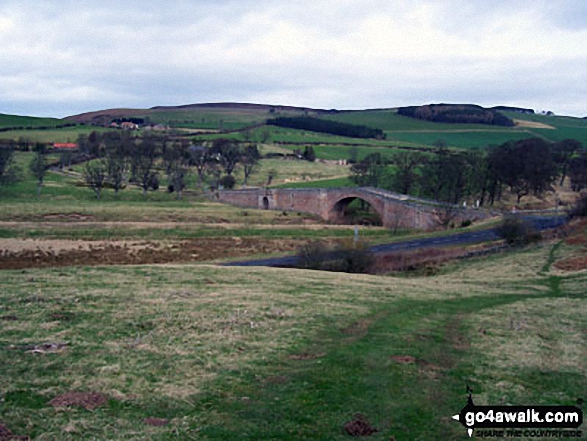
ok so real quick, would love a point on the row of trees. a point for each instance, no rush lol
(327, 126)
(122, 158)
(113, 159)
(456, 113)
(524, 167)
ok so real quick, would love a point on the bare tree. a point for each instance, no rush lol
(95, 175)
(228, 153)
(38, 167)
(176, 159)
(446, 215)
(250, 161)
(200, 159)
(143, 164)
(8, 171)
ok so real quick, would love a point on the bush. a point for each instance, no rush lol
(352, 259)
(580, 208)
(227, 182)
(312, 255)
(347, 258)
(515, 231)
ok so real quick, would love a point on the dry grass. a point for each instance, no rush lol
(545, 335)
(149, 334)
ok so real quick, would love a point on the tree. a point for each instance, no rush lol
(526, 165)
(250, 161)
(95, 175)
(563, 153)
(406, 175)
(176, 160)
(38, 167)
(200, 159)
(143, 158)
(227, 182)
(271, 175)
(578, 172)
(444, 177)
(368, 172)
(117, 146)
(9, 173)
(309, 154)
(228, 153)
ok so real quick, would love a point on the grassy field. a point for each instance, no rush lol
(285, 354)
(97, 342)
(28, 121)
(65, 134)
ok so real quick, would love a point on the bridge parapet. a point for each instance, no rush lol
(397, 211)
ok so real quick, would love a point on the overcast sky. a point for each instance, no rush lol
(62, 57)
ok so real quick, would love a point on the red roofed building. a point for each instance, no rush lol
(65, 145)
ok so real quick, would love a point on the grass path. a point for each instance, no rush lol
(259, 354)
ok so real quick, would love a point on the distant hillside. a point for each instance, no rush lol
(457, 114)
(207, 115)
(17, 122)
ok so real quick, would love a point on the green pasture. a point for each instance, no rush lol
(277, 354)
(28, 121)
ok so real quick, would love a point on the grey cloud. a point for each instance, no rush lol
(67, 56)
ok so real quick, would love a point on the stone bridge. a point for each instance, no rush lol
(396, 211)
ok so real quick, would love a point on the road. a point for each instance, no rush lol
(538, 222)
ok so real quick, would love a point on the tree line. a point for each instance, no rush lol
(528, 166)
(115, 159)
(455, 113)
(326, 126)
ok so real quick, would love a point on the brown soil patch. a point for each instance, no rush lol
(577, 240)
(403, 359)
(360, 328)
(6, 434)
(87, 400)
(532, 124)
(458, 340)
(418, 259)
(572, 264)
(306, 356)
(430, 369)
(359, 427)
(67, 216)
(157, 422)
(31, 254)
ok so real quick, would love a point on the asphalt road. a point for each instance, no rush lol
(538, 222)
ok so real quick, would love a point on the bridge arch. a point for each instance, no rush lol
(356, 209)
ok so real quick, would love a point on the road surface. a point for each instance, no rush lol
(538, 222)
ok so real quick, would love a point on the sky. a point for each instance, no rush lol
(59, 58)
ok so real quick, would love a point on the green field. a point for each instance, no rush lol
(222, 353)
(286, 354)
(28, 121)
(65, 134)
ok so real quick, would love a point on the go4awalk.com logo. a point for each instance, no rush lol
(557, 422)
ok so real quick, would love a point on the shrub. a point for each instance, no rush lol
(227, 182)
(580, 208)
(312, 255)
(515, 231)
(351, 258)
(347, 258)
